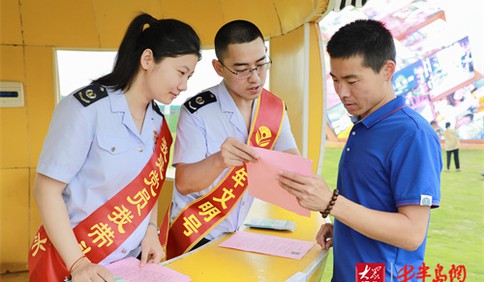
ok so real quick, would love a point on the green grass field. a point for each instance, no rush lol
(456, 232)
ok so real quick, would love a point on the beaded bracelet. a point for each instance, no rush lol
(75, 263)
(331, 203)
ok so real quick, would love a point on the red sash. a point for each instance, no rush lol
(103, 231)
(202, 215)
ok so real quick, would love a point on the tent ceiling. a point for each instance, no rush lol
(101, 23)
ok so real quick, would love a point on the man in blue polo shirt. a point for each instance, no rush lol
(389, 172)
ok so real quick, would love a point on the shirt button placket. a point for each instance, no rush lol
(353, 133)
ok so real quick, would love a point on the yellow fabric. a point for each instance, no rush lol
(451, 140)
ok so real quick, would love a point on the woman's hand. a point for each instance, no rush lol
(151, 249)
(84, 270)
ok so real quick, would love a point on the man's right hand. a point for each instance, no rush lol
(235, 153)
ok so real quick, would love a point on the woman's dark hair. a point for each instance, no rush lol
(165, 38)
(235, 32)
(366, 38)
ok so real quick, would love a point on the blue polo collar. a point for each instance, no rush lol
(382, 113)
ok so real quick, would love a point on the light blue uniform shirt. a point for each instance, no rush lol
(97, 150)
(201, 134)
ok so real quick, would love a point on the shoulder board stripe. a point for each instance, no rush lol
(90, 94)
(200, 100)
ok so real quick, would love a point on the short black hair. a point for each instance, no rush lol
(369, 39)
(234, 32)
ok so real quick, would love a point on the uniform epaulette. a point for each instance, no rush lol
(90, 94)
(155, 107)
(200, 100)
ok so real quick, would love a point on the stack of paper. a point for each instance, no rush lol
(263, 183)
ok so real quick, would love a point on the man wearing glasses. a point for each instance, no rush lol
(215, 135)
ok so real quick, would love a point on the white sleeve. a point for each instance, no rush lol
(67, 142)
(190, 142)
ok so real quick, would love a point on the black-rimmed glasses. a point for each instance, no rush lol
(245, 73)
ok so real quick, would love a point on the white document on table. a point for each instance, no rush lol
(128, 269)
(268, 244)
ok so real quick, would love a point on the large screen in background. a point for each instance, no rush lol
(466, 108)
(411, 81)
(450, 67)
(338, 118)
(435, 73)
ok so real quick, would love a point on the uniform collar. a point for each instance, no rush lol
(118, 101)
(119, 104)
(227, 103)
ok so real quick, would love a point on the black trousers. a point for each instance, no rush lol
(456, 158)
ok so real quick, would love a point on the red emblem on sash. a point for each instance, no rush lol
(103, 231)
(202, 215)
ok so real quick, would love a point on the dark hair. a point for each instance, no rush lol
(367, 38)
(166, 38)
(235, 32)
(447, 124)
